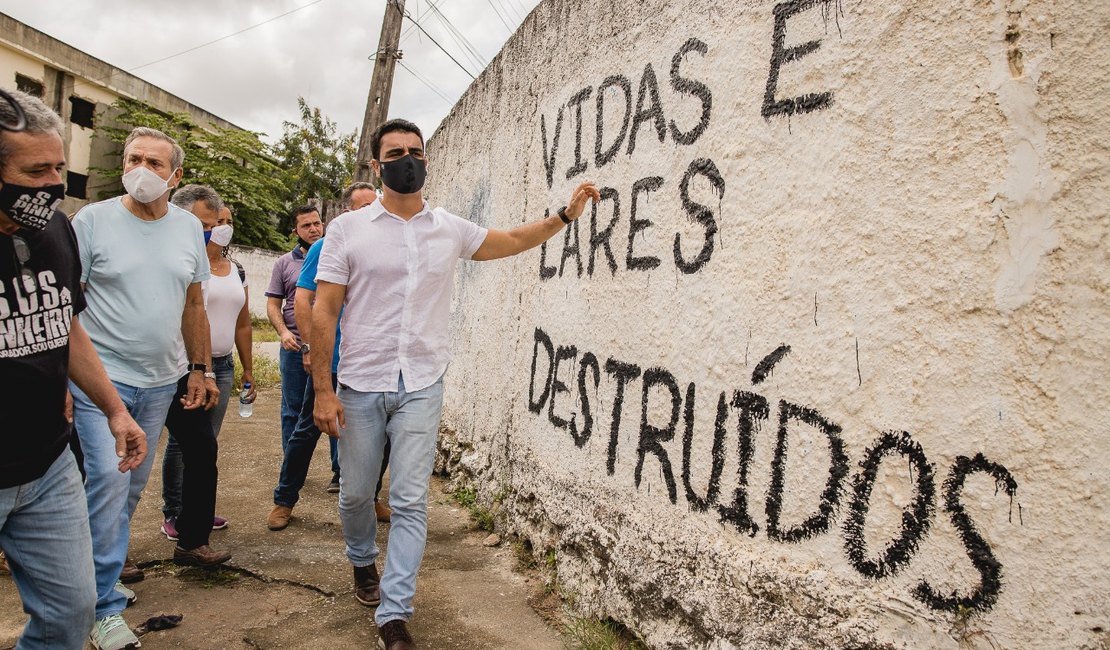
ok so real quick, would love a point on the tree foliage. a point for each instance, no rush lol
(236, 163)
(317, 160)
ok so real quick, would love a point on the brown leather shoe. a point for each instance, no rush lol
(367, 591)
(395, 636)
(131, 572)
(279, 517)
(382, 511)
(200, 556)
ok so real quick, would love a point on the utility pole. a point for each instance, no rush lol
(381, 84)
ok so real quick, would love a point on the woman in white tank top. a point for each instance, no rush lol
(229, 321)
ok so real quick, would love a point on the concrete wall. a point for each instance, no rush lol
(827, 367)
(258, 264)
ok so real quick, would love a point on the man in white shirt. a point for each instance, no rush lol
(391, 265)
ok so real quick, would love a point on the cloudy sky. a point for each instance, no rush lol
(318, 51)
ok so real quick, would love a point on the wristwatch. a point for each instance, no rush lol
(305, 348)
(210, 375)
(197, 366)
(563, 215)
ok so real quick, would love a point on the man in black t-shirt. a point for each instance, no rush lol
(44, 529)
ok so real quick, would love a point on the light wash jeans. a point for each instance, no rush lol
(44, 530)
(172, 466)
(410, 421)
(112, 497)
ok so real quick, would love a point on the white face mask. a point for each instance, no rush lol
(144, 185)
(221, 235)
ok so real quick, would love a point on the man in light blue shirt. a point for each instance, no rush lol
(142, 262)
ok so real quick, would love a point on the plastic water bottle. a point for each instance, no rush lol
(246, 404)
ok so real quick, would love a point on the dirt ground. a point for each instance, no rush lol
(292, 588)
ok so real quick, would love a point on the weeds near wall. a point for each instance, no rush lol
(468, 498)
(596, 634)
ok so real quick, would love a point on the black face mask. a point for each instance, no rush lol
(404, 175)
(31, 207)
(305, 245)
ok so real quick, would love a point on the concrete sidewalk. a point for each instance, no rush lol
(292, 588)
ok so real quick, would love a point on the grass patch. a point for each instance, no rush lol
(267, 373)
(595, 634)
(468, 498)
(522, 549)
(263, 331)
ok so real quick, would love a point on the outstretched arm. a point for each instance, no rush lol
(505, 243)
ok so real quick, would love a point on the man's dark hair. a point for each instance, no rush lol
(389, 127)
(304, 209)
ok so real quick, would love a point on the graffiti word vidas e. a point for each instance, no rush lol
(647, 117)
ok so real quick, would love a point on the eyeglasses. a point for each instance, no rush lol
(12, 117)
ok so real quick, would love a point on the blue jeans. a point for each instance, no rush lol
(299, 450)
(410, 423)
(111, 496)
(172, 467)
(44, 530)
(293, 380)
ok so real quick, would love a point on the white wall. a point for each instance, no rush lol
(899, 317)
(258, 264)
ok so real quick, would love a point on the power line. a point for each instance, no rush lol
(463, 68)
(461, 39)
(224, 38)
(426, 82)
(103, 80)
(503, 21)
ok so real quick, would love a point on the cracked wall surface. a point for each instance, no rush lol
(826, 365)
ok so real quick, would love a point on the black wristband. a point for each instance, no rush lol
(563, 215)
(197, 366)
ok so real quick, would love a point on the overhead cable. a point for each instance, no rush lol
(426, 82)
(461, 67)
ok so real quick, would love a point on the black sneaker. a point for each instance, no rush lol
(333, 487)
(395, 636)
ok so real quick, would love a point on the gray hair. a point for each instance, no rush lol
(185, 197)
(354, 187)
(40, 118)
(178, 157)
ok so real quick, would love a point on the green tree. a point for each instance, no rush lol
(236, 163)
(318, 161)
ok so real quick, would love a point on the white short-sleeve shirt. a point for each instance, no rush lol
(399, 277)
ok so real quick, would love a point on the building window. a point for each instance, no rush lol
(76, 185)
(29, 86)
(81, 112)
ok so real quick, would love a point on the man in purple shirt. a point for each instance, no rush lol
(279, 308)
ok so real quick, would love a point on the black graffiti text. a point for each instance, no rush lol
(559, 370)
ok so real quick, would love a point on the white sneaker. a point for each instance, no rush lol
(131, 596)
(112, 633)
